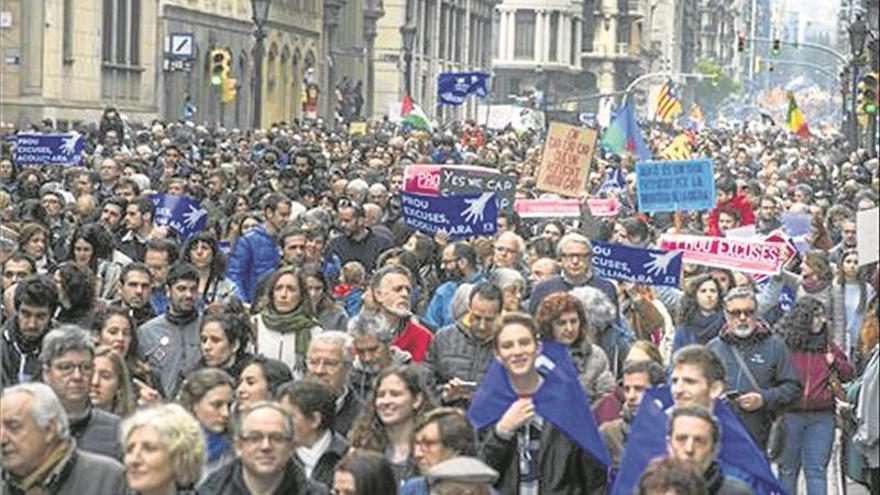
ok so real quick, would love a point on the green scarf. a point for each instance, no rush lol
(291, 322)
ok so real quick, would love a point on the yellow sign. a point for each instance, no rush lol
(357, 128)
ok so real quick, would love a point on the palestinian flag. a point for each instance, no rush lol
(412, 115)
(796, 121)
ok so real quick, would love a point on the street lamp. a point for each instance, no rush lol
(260, 9)
(858, 32)
(408, 36)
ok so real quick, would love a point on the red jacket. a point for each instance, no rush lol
(739, 203)
(414, 339)
(815, 373)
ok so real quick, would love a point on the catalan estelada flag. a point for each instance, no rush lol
(668, 104)
(796, 121)
(678, 149)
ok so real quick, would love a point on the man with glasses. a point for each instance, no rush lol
(264, 463)
(330, 359)
(460, 354)
(758, 368)
(575, 255)
(509, 251)
(67, 356)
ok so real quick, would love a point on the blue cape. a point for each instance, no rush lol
(740, 456)
(561, 400)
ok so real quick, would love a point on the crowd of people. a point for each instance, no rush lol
(308, 341)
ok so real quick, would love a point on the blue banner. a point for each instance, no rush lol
(181, 213)
(675, 185)
(462, 216)
(54, 149)
(614, 181)
(453, 88)
(637, 265)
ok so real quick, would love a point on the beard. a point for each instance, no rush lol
(743, 331)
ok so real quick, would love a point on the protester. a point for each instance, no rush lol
(36, 299)
(164, 450)
(263, 437)
(207, 395)
(638, 376)
(441, 434)
(260, 380)
(39, 454)
(256, 252)
(111, 388)
(363, 472)
(387, 424)
(330, 360)
(311, 404)
(225, 341)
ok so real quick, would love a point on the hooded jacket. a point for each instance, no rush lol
(739, 203)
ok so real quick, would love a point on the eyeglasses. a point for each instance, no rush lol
(67, 368)
(258, 437)
(327, 363)
(739, 313)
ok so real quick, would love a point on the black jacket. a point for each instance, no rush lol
(228, 479)
(326, 466)
(565, 469)
(13, 353)
(352, 405)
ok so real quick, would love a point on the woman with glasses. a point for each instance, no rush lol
(809, 422)
(207, 394)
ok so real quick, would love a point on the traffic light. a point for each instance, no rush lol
(741, 43)
(777, 46)
(230, 88)
(219, 65)
(867, 93)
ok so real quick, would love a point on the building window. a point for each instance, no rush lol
(574, 46)
(496, 40)
(524, 39)
(121, 32)
(554, 36)
(443, 20)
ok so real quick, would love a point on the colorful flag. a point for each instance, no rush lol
(561, 400)
(411, 114)
(796, 121)
(739, 455)
(678, 149)
(624, 136)
(453, 88)
(668, 104)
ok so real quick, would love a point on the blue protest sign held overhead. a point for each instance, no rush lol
(52, 149)
(675, 185)
(181, 213)
(453, 88)
(462, 216)
(637, 265)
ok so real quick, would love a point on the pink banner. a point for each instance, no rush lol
(603, 207)
(543, 208)
(742, 255)
(422, 179)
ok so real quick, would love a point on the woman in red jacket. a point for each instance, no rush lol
(809, 422)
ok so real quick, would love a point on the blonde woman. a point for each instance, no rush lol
(111, 386)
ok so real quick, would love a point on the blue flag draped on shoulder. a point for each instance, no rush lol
(453, 88)
(182, 214)
(739, 456)
(561, 400)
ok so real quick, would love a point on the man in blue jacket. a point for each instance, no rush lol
(256, 253)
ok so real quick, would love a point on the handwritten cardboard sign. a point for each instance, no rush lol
(565, 165)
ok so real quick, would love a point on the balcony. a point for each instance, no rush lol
(623, 52)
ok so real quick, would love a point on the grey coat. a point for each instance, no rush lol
(80, 473)
(172, 350)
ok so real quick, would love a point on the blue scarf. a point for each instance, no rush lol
(217, 444)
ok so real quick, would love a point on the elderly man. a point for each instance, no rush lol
(509, 251)
(575, 253)
(264, 464)
(312, 404)
(391, 289)
(371, 339)
(39, 455)
(460, 354)
(694, 438)
(330, 359)
(67, 357)
(35, 301)
(757, 364)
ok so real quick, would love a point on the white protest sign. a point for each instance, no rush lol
(867, 238)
